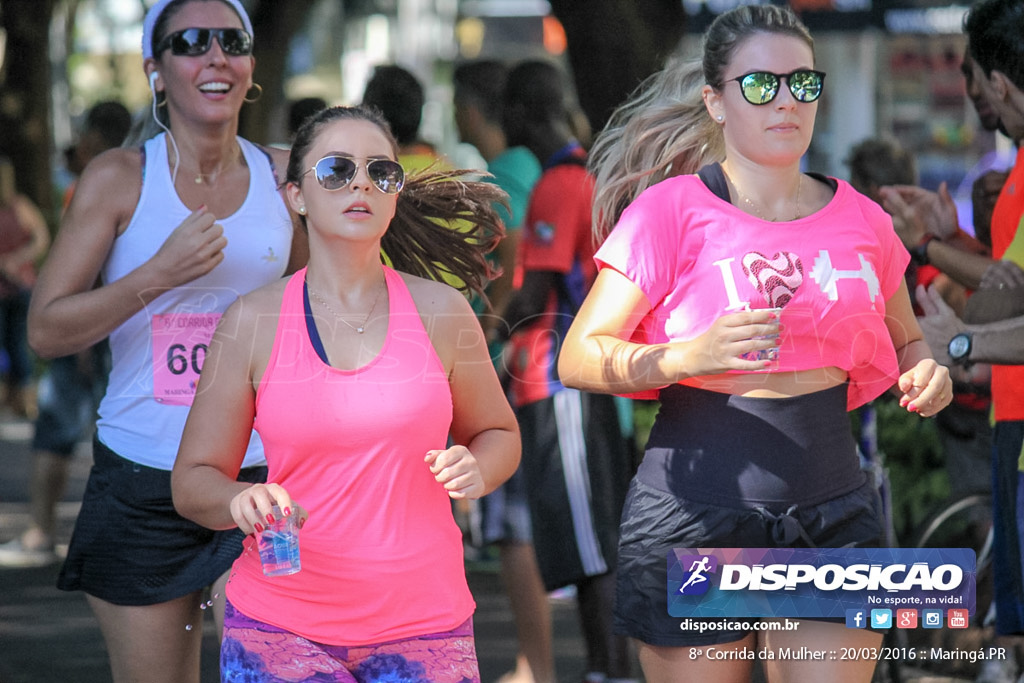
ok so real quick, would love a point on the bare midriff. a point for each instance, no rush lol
(771, 384)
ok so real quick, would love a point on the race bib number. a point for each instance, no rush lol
(180, 344)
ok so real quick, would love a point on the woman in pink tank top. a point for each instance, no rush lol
(374, 395)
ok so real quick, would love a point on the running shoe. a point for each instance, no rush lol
(14, 554)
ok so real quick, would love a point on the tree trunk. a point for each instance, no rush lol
(615, 44)
(274, 23)
(25, 134)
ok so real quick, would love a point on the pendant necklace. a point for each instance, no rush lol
(361, 328)
(210, 178)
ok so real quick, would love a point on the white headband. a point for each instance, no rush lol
(156, 10)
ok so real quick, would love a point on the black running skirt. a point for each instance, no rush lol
(130, 547)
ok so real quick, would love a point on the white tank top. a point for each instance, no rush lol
(134, 421)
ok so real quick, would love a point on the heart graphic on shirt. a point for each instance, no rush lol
(777, 278)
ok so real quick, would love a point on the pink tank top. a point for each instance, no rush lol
(381, 553)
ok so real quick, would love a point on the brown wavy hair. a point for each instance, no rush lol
(445, 223)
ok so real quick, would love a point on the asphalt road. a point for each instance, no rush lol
(50, 636)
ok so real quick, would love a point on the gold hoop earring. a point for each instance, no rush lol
(161, 102)
(259, 93)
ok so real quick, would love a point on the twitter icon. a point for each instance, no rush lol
(881, 618)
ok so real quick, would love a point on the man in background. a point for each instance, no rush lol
(505, 514)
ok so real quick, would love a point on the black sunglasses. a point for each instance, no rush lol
(335, 171)
(192, 42)
(761, 87)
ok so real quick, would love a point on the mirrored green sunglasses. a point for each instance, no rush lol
(761, 87)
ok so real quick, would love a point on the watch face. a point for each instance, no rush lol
(959, 346)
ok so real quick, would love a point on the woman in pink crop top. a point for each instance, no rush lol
(357, 376)
(759, 304)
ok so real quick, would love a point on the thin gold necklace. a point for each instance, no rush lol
(358, 328)
(210, 178)
(757, 211)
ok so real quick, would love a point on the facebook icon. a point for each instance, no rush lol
(856, 618)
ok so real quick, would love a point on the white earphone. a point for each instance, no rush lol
(177, 157)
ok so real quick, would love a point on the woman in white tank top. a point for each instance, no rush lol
(158, 240)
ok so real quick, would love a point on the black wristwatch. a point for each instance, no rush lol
(960, 348)
(919, 254)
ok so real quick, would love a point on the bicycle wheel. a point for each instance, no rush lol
(964, 523)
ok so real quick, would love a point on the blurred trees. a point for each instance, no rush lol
(25, 96)
(275, 24)
(25, 83)
(614, 45)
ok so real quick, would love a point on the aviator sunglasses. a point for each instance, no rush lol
(761, 87)
(192, 42)
(335, 171)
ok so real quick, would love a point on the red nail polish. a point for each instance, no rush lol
(258, 527)
(912, 408)
(287, 512)
(270, 519)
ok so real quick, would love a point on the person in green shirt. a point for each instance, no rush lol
(505, 514)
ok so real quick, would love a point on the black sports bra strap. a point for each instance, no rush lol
(713, 178)
(314, 334)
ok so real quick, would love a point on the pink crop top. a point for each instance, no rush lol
(381, 553)
(697, 257)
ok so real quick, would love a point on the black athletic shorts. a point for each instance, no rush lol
(641, 600)
(726, 471)
(576, 468)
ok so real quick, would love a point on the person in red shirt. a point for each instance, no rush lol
(575, 456)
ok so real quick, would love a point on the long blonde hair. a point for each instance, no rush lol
(664, 129)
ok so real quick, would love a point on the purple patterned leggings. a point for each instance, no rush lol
(255, 652)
